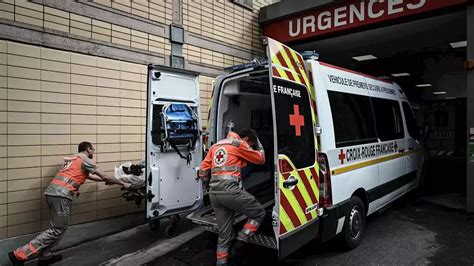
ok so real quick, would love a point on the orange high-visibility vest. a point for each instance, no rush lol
(227, 157)
(71, 176)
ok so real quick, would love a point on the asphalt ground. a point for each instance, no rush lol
(411, 232)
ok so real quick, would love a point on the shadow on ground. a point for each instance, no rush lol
(410, 232)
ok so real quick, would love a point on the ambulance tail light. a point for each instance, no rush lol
(325, 195)
(285, 166)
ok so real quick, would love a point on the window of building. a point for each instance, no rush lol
(352, 119)
(388, 119)
(411, 121)
(244, 3)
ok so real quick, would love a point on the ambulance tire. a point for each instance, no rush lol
(170, 231)
(354, 224)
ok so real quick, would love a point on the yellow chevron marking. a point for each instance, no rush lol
(293, 202)
(282, 73)
(304, 193)
(285, 220)
(290, 66)
(312, 182)
(296, 58)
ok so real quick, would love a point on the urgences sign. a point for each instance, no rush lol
(354, 13)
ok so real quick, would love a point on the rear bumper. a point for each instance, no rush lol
(328, 222)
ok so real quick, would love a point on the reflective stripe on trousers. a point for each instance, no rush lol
(59, 210)
(250, 227)
(222, 256)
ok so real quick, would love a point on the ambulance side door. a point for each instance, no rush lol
(171, 184)
(295, 149)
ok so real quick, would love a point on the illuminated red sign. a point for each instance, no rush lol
(353, 14)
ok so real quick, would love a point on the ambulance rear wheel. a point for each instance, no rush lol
(170, 231)
(354, 224)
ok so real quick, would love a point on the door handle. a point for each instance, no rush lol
(290, 183)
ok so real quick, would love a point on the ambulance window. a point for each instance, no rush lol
(411, 122)
(353, 119)
(295, 137)
(388, 119)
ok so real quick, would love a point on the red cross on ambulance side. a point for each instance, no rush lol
(342, 156)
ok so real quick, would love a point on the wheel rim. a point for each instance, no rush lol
(355, 222)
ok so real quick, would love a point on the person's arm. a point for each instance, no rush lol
(205, 166)
(95, 178)
(253, 156)
(109, 179)
(89, 166)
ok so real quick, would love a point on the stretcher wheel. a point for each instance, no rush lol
(154, 225)
(170, 230)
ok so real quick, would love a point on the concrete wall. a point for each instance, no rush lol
(76, 70)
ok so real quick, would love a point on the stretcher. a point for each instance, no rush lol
(134, 175)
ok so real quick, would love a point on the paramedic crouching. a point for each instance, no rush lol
(59, 194)
(224, 163)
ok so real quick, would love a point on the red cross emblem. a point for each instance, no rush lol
(342, 156)
(220, 157)
(297, 120)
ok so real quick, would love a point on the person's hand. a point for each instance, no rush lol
(258, 145)
(126, 185)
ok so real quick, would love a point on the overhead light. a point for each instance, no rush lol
(424, 85)
(458, 44)
(364, 57)
(439, 92)
(400, 74)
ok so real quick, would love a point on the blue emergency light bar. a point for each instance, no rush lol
(252, 64)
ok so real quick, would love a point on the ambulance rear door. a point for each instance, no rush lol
(296, 216)
(171, 184)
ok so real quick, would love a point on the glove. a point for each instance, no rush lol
(259, 146)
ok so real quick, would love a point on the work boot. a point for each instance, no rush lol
(50, 260)
(15, 261)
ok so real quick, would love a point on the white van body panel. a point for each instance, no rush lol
(372, 175)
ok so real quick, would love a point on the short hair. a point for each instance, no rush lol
(83, 146)
(249, 133)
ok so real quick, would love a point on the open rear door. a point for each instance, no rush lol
(173, 142)
(295, 149)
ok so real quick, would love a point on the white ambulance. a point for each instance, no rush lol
(339, 146)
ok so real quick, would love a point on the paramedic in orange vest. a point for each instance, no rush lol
(59, 194)
(224, 163)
